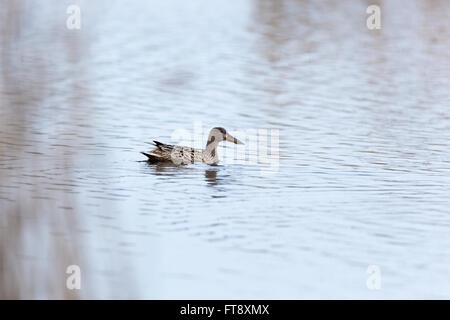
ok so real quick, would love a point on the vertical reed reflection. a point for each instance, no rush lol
(38, 237)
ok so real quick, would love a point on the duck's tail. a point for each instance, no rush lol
(152, 157)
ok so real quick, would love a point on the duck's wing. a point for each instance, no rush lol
(176, 154)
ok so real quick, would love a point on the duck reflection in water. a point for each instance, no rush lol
(216, 183)
(214, 178)
(211, 177)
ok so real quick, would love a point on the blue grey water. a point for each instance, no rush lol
(364, 149)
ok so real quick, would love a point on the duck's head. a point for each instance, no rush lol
(219, 134)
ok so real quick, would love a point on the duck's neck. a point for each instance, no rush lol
(210, 153)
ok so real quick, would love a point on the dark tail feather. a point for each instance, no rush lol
(151, 157)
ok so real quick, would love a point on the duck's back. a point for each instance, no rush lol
(176, 154)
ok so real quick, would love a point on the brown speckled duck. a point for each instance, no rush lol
(184, 155)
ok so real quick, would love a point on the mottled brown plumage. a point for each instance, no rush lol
(184, 155)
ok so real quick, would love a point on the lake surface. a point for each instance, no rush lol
(363, 177)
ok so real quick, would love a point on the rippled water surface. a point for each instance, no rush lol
(364, 168)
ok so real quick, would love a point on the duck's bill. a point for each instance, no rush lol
(230, 138)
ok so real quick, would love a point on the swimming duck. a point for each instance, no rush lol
(184, 155)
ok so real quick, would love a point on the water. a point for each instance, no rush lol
(364, 170)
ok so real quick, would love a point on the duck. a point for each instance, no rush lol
(185, 155)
